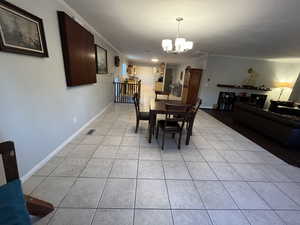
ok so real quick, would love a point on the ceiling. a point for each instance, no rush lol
(256, 28)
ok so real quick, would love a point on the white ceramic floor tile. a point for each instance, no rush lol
(214, 195)
(227, 217)
(106, 152)
(273, 196)
(290, 217)
(124, 169)
(118, 193)
(233, 156)
(192, 156)
(73, 217)
(128, 152)
(66, 150)
(171, 155)
(271, 174)
(53, 189)
(191, 217)
(211, 156)
(112, 140)
(150, 154)
(153, 217)
(92, 140)
(244, 196)
(183, 195)
(249, 172)
(225, 171)
(130, 141)
(45, 220)
(262, 217)
(152, 194)
(151, 169)
(31, 184)
(50, 166)
(83, 151)
(97, 167)
(85, 193)
(113, 217)
(176, 170)
(201, 171)
(71, 167)
(290, 189)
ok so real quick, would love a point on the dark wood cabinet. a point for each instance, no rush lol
(191, 85)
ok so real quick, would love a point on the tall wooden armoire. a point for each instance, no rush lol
(191, 85)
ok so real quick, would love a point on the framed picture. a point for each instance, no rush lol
(101, 60)
(21, 32)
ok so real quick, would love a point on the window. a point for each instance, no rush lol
(124, 69)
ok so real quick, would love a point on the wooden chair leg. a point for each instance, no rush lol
(137, 125)
(37, 207)
(173, 135)
(179, 141)
(188, 136)
(157, 131)
(163, 140)
(191, 125)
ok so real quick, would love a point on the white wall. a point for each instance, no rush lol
(147, 75)
(37, 108)
(295, 95)
(199, 63)
(233, 70)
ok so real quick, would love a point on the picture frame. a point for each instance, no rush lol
(101, 60)
(21, 32)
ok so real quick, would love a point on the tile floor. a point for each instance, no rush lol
(115, 177)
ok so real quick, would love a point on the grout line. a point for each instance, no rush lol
(171, 210)
(180, 209)
(136, 185)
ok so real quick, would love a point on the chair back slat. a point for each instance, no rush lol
(178, 113)
(197, 107)
(136, 101)
(9, 162)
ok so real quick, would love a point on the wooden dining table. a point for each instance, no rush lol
(159, 107)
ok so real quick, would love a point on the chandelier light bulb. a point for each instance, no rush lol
(167, 45)
(180, 44)
(189, 45)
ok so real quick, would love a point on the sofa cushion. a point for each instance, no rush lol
(289, 120)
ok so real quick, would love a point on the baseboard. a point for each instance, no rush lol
(206, 107)
(61, 146)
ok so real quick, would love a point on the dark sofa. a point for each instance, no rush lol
(285, 107)
(284, 129)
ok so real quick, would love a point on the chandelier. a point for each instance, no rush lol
(181, 44)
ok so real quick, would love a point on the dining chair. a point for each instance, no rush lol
(194, 113)
(175, 119)
(9, 180)
(190, 123)
(163, 93)
(139, 115)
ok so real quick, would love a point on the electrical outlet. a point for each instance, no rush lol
(74, 119)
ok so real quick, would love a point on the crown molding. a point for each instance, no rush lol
(85, 24)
